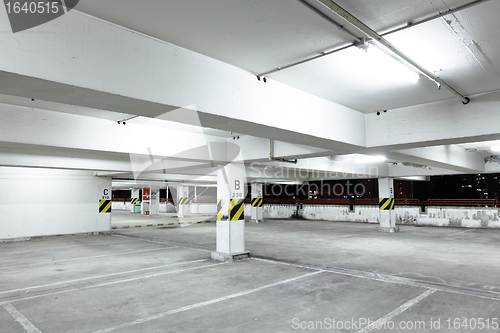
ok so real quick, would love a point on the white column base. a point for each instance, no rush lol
(218, 256)
(388, 229)
(230, 236)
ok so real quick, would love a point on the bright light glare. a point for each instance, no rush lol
(375, 65)
(370, 159)
(389, 68)
(495, 149)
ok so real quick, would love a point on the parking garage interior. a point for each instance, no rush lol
(249, 166)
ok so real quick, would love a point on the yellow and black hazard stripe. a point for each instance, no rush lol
(257, 202)
(159, 225)
(104, 206)
(134, 201)
(221, 210)
(184, 201)
(236, 210)
(386, 203)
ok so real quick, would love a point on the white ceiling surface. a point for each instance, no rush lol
(463, 48)
(260, 35)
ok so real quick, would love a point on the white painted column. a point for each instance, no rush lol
(146, 201)
(230, 228)
(387, 217)
(257, 203)
(155, 201)
(134, 195)
(182, 201)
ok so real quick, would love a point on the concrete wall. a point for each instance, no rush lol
(167, 207)
(468, 217)
(59, 201)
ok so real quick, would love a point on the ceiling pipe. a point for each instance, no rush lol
(384, 42)
(326, 17)
(357, 39)
(272, 158)
(433, 17)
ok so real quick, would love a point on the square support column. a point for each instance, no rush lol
(182, 201)
(155, 201)
(257, 203)
(135, 198)
(387, 217)
(146, 201)
(230, 227)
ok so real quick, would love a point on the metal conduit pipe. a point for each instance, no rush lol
(438, 15)
(382, 41)
(357, 39)
(340, 27)
(272, 158)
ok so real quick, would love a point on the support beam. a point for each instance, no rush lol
(257, 203)
(182, 201)
(450, 157)
(433, 124)
(164, 77)
(387, 217)
(135, 200)
(230, 227)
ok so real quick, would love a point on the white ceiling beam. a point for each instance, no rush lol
(45, 157)
(450, 157)
(148, 77)
(438, 123)
(398, 170)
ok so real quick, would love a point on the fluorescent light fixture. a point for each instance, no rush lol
(369, 159)
(375, 66)
(495, 149)
(388, 67)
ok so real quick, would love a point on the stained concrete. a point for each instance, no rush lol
(303, 272)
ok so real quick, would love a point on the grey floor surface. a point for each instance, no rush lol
(305, 276)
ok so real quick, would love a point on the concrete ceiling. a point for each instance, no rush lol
(462, 48)
(63, 89)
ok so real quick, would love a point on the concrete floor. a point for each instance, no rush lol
(303, 274)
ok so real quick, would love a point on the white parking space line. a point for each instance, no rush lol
(101, 276)
(213, 301)
(486, 294)
(461, 232)
(84, 258)
(380, 322)
(21, 319)
(110, 283)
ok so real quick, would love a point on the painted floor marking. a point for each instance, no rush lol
(84, 258)
(486, 294)
(461, 232)
(167, 243)
(20, 318)
(111, 283)
(101, 276)
(213, 301)
(380, 322)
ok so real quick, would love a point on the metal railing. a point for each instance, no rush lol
(365, 201)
